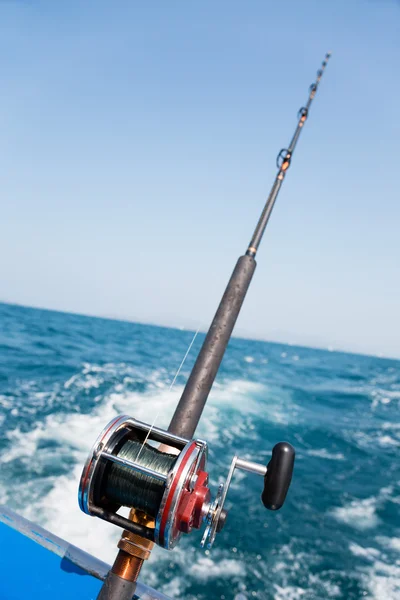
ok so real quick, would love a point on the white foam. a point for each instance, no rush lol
(387, 440)
(389, 425)
(382, 575)
(205, 569)
(5, 401)
(380, 578)
(59, 512)
(368, 553)
(368, 440)
(174, 588)
(383, 580)
(249, 359)
(383, 396)
(192, 563)
(331, 590)
(78, 431)
(324, 453)
(360, 514)
(289, 592)
(289, 566)
(391, 543)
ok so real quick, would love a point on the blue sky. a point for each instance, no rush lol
(138, 144)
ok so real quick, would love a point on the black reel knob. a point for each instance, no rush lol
(279, 475)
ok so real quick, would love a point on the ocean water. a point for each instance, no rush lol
(63, 377)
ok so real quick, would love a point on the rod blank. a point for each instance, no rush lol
(198, 386)
(201, 379)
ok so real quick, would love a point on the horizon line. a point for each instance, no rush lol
(329, 349)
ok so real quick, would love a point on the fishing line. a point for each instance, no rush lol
(170, 388)
(129, 488)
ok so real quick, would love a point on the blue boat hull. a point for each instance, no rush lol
(34, 563)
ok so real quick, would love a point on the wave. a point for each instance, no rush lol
(361, 514)
(324, 453)
(381, 576)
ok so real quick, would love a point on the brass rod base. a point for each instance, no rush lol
(133, 549)
(127, 566)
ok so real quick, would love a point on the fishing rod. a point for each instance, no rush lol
(161, 475)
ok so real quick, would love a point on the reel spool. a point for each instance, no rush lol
(109, 477)
(124, 468)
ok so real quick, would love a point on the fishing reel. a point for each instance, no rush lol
(169, 485)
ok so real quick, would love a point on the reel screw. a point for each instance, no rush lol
(222, 520)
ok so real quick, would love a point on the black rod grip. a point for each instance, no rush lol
(279, 475)
(188, 412)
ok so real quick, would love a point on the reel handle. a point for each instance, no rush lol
(278, 476)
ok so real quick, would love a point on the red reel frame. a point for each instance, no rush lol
(186, 497)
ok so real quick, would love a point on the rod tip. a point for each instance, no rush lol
(328, 54)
